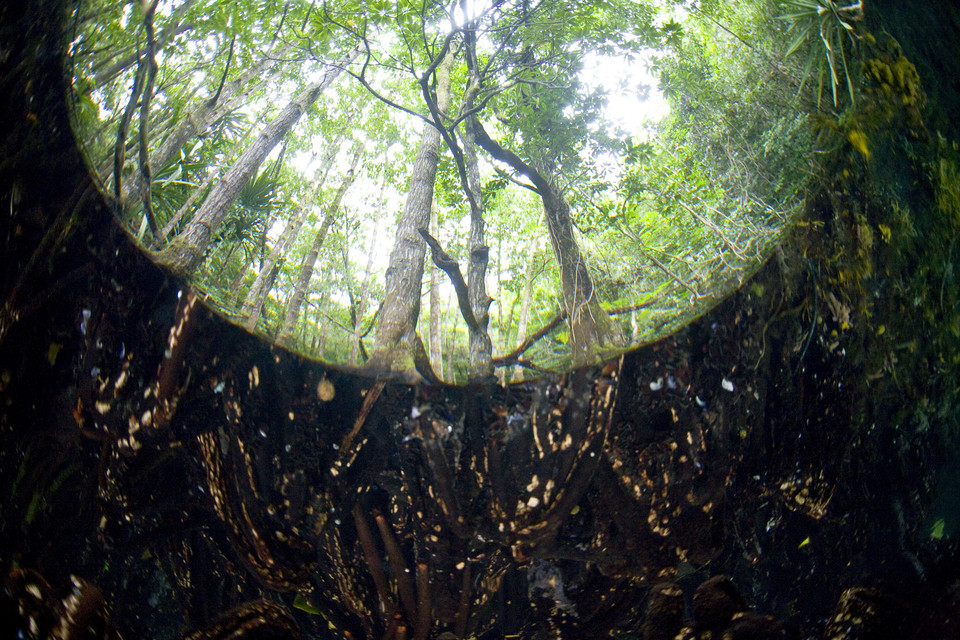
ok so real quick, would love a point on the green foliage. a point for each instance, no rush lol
(173, 182)
(669, 219)
(947, 180)
(826, 29)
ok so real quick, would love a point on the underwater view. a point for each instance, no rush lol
(481, 319)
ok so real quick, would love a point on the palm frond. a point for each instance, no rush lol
(834, 25)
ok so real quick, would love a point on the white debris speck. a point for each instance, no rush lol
(657, 384)
(85, 316)
(726, 384)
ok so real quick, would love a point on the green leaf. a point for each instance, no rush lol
(300, 602)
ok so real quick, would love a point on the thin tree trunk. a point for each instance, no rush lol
(396, 330)
(213, 175)
(451, 335)
(319, 340)
(364, 291)
(349, 284)
(257, 295)
(309, 261)
(103, 75)
(145, 176)
(195, 123)
(481, 348)
(185, 252)
(319, 337)
(436, 350)
(589, 325)
(253, 302)
(237, 283)
(525, 302)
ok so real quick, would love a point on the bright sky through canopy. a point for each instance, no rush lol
(633, 99)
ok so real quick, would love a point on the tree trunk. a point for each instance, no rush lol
(436, 349)
(364, 297)
(237, 283)
(525, 303)
(481, 348)
(396, 330)
(450, 335)
(367, 275)
(204, 115)
(256, 296)
(213, 175)
(589, 324)
(185, 252)
(253, 302)
(306, 269)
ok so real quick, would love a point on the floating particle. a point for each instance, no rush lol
(325, 390)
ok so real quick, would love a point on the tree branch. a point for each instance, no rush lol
(668, 271)
(513, 357)
(122, 129)
(438, 119)
(421, 361)
(150, 58)
(452, 268)
(226, 70)
(510, 158)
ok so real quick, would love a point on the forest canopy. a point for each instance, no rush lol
(456, 190)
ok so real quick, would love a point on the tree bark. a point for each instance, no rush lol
(481, 348)
(525, 303)
(589, 325)
(306, 269)
(436, 351)
(185, 252)
(358, 330)
(256, 296)
(396, 330)
(213, 175)
(208, 112)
